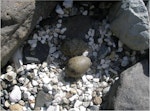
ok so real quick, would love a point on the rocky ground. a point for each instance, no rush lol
(36, 80)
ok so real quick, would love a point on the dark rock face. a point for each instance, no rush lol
(18, 20)
(129, 21)
(131, 92)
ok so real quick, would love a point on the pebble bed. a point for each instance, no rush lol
(20, 88)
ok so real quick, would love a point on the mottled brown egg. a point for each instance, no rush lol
(77, 66)
(73, 47)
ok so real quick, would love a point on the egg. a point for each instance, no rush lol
(77, 66)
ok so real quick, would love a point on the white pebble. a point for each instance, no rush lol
(59, 10)
(89, 77)
(68, 3)
(103, 84)
(82, 108)
(55, 34)
(54, 80)
(32, 105)
(15, 94)
(34, 83)
(74, 97)
(84, 79)
(26, 94)
(63, 30)
(52, 49)
(85, 53)
(58, 25)
(77, 104)
(120, 44)
(46, 80)
(96, 79)
(85, 12)
(105, 90)
(60, 21)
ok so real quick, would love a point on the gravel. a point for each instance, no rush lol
(84, 94)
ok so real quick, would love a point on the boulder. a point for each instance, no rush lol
(18, 20)
(129, 21)
(131, 91)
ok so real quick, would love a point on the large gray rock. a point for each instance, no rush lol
(131, 91)
(129, 21)
(18, 20)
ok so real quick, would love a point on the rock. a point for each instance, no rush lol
(7, 104)
(131, 91)
(10, 76)
(77, 26)
(17, 26)
(15, 94)
(103, 51)
(77, 66)
(86, 104)
(42, 98)
(134, 30)
(59, 10)
(15, 107)
(73, 47)
(77, 103)
(38, 55)
(82, 108)
(97, 100)
(93, 108)
(65, 101)
(68, 3)
(53, 108)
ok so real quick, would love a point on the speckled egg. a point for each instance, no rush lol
(77, 66)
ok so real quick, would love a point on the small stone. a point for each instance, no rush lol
(15, 94)
(52, 108)
(85, 53)
(59, 10)
(94, 108)
(32, 105)
(9, 68)
(15, 107)
(58, 25)
(42, 98)
(54, 80)
(63, 30)
(73, 91)
(86, 104)
(125, 61)
(89, 77)
(34, 83)
(96, 79)
(65, 101)
(10, 76)
(85, 12)
(52, 49)
(77, 104)
(46, 80)
(82, 108)
(105, 90)
(103, 84)
(74, 97)
(7, 104)
(26, 94)
(21, 102)
(68, 3)
(84, 79)
(97, 100)
(74, 109)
